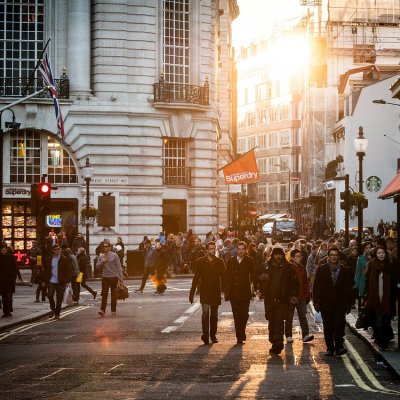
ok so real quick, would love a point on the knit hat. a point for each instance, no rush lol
(261, 246)
(277, 249)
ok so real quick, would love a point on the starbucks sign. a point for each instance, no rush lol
(373, 184)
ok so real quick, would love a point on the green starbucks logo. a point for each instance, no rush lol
(373, 184)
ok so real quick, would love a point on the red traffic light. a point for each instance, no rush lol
(44, 188)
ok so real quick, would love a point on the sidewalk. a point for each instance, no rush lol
(391, 355)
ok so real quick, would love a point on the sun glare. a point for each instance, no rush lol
(287, 56)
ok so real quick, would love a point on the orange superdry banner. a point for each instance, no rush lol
(243, 170)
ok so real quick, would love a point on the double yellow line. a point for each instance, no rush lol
(376, 385)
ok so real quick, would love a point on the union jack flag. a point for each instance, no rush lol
(47, 75)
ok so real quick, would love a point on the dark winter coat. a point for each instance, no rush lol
(288, 286)
(327, 297)
(8, 273)
(210, 276)
(83, 265)
(64, 270)
(239, 278)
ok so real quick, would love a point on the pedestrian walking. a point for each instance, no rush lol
(161, 262)
(83, 264)
(112, 271)
(74, 271)
(8, 275)
(332, 295)
(210, 275)
(149, 253)
(303, 298)
(57, 273)
(381, 295)
(33, 254)
(279, 286)
(240, 273)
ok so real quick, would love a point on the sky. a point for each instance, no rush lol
(258, 18)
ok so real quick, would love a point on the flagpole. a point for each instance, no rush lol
(220, 169)
(24, 99)
(36, 67)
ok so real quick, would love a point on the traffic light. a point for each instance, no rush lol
(345, 203)
(44, 196)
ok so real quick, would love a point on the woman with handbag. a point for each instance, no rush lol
(112, 272)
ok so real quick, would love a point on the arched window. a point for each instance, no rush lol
(34, 153)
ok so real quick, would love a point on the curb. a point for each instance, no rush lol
(373, 348)
(29, 319)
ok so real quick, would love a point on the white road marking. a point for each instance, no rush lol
(181, 320)
(169, 329)
(108, 371)
(193, 308)
(54, 373)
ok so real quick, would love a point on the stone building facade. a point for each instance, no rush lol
(147, 103)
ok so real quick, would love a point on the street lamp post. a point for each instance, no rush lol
(360, 146)
(87, 175)
(289, 191)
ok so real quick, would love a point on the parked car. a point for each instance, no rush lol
(267, 229)
(284, 230)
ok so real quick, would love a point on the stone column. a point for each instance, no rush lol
(79, 46)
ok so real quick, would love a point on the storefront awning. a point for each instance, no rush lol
(275, 216)
(266, 216)
(392, 189)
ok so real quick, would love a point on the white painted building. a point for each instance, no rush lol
(150, 103)
(380, 123)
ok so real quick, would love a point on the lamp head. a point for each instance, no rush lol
(360, 143)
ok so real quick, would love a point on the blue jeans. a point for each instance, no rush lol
(57, 289)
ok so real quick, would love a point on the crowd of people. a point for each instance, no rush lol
(237, 267)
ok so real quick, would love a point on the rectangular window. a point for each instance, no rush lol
(272, 192)
(263, 140)
(262, 192)
(175, 171)
(251, 118)
(284, 191)
(273, 163)
(284, 138)
(262, 165)
(176, 48)
(61, 169)
(21, 31)
(262, 116)
(25, 156)
(273, 139)
(261, 92)
(273, 114)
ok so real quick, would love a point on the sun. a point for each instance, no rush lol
(287, 56)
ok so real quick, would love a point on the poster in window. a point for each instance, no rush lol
(7, 220)
(19, 233)
(7, 233)
(19, 221)
(18, 209)
(7, 209)
(31, 221)
(19, 245)
(31, 233)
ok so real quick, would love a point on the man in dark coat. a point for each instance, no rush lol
(57, 273)
(161, 262)
(8, 275)
(279, 285)
(239, 277)
(332, 295)
(210, 274)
